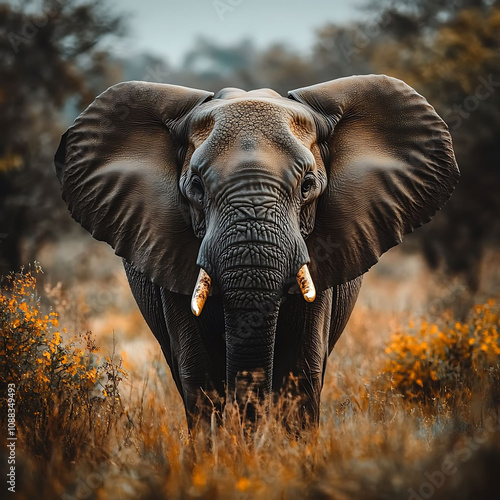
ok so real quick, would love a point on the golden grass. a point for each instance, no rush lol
(407, 412)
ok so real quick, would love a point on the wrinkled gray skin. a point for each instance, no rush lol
(251, 186)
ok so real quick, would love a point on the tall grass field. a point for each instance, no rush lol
(410, 408)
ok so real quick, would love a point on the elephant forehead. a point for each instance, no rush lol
(268, 118)
(253, 131)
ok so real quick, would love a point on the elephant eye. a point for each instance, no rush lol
(308, 185)
(197, 191)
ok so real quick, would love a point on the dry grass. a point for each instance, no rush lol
(408, 411)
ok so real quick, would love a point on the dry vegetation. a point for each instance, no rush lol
(410, 409)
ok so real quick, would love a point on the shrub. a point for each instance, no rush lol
(432, 363)
(64, 391)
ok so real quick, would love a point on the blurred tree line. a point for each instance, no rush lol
(54, 62)
(50, 58)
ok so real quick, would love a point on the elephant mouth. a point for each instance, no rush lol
(203, 283)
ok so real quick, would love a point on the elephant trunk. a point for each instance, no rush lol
(252, 276)
(250, 327)
(254, 256)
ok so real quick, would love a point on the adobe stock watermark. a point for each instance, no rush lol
(325, 248)
(99, 300)
(451, 294)
(223, 7)
(158, 74)
(11, 438)
(32, 25)
(461, 453)
(460, 112)
(352, 42)
(86, 487)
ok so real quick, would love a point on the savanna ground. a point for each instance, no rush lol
(410, 406)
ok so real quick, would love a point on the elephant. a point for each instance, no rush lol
(246, 220)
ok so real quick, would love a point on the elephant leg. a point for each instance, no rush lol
(148, 298)
(198, 354)
(193, 347)
(305, 337)
(301, 351)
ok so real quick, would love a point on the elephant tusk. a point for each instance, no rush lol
(306, 284)
(200, 292)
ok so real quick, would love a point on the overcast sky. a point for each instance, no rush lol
(169, 27)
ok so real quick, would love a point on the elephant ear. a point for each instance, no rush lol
(117, 166)
(390, 167)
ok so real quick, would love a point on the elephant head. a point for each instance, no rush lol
(243, 192)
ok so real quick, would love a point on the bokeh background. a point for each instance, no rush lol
(57, 55)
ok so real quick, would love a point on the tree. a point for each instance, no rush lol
(50, 54)
(450, 52)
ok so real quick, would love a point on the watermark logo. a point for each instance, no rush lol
(11, 437)
(223, 7)
(31, 26)
(471, 103)
(350, 42)
(461, 453)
